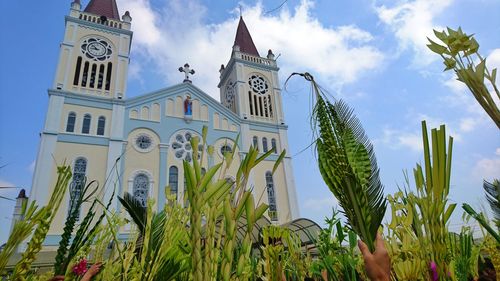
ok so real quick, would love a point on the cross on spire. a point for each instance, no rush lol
(186, 71)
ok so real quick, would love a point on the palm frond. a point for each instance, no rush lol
(348, 164)
(134, 208)
(493, 196)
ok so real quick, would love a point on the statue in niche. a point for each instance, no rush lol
(188, 106)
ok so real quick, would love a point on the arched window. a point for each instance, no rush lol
(255, 142)
(264, 145)
(86, 124)
(273, 145)
(70, 124)
(77, 184)
(271, 197)
(101, 123)
(173, 179)
(141, 188)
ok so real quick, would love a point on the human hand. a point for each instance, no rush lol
(93, 270)
(378, 263)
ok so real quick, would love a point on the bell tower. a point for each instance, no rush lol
(94, 54)
(249, 84)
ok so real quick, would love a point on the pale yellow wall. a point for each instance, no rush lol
(96, 156)
(136, 160)
(280, 188)
(269, 136)
(80, 112)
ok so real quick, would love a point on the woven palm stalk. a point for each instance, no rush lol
(347, 164)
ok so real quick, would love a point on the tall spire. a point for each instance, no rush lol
(105, 8)
(244, 39)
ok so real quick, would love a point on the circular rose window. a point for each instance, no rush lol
(182, 146)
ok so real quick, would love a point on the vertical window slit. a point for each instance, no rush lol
(108, 76)
(92, 75)
(85, 74)
(77, 71)
(250, 102)
(101, 76)
(260, 107)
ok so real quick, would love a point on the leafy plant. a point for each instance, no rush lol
(76, 199)
(23, 267)
(460, 54)
(347, 164)
(336, 247)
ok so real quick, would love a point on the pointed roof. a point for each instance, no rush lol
(244, 39)
(106, 8)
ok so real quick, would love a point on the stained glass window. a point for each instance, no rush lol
(271, 197)
(77, 184)
(141, 188)
(173, 179)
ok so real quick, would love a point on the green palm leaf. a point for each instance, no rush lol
(493, 197)
(347, 164)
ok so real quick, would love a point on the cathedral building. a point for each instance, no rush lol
(137, 144)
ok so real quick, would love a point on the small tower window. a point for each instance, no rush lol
(70, 123)
(86, 124)
(256, 142)
(271, 197)
(101, 123)
(264, 145)
(273, 145)
(77, 71)
(141, 188)
(173, 179)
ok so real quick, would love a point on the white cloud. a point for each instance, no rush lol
(493, 60)
(397, 139)
(488, 168)
(412, 21)
(169, 36)
(320, 204)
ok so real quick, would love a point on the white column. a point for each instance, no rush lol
(45, 166)
(114, 162)
(289, 176)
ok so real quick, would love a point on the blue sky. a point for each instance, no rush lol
(370, 53)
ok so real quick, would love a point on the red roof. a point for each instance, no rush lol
(106, 8)
(244, 39)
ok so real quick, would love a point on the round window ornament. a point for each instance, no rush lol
(183, 150)
(143, 143)
(96, 49)
(226, 148)
(258, 84)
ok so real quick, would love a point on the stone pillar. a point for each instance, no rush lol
(162, 181)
